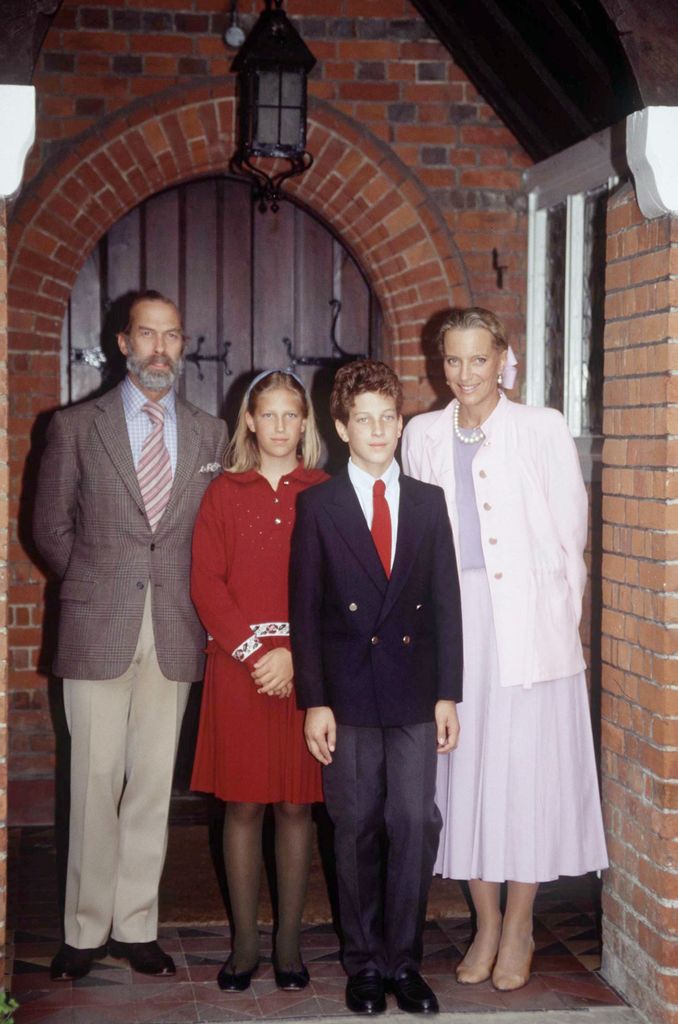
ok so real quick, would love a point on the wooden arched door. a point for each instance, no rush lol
(256, 291)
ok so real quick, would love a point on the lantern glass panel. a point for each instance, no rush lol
(292, 88)
(266, 133)
(290, 127)
(268, 92)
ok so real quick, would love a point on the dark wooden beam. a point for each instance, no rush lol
(554, 71)
(23, 26)
(648, 31)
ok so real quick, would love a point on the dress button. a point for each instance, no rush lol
(487, 506)
(140, 585)
(498, 575)
(374, 641)
(286, 483)
(277, 522)
(406, 639)
(276, 501)
(353, 607)
(493, 540)
(482, 474)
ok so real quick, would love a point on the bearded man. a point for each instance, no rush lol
(119, 487)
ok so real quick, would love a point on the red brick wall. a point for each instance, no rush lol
(640, 616)
(412, 168)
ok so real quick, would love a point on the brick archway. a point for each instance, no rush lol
(356, 184)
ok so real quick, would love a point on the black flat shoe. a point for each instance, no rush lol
(291, 981)
(232, 981)
(144, 957)
(412, 993)
(365, 992)
(70, 963)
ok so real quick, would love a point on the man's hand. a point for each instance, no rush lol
(320, 731)
(447, 725)
(273, 673)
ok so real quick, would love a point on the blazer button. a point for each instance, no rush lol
(493, 540)
(353, 607)
(374, 641)
(140, 585)
(406, 639)
(152, 547)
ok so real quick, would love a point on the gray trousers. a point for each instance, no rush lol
(379, 793)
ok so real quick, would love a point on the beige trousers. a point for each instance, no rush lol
(124, 737)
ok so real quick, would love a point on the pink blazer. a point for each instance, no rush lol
(533, 511)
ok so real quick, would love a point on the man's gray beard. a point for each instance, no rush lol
(154, 380)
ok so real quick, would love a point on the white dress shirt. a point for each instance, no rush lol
(363, 485)
(139, 424)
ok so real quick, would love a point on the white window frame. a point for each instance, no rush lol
(566, 177)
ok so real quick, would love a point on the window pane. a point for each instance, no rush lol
(267, 126)
(593, 320)
(555, 306)
(290, 127)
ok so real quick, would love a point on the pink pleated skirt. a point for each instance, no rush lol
(519, 796)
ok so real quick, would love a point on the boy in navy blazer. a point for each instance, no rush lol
(376, 638)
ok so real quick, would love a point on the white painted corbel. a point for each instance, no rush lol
(652, 154)
(17, 134)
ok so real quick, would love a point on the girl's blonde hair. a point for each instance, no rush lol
(242, 453)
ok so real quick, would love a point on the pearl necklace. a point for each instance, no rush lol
(472, 438)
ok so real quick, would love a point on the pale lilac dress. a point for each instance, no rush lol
(519, 796)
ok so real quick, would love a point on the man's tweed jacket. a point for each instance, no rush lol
(91, 527)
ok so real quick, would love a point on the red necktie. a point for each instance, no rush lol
(381, 525)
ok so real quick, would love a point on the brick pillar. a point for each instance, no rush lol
(4, 482)
(640, 609)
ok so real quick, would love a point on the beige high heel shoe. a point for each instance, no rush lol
(509, 981)
(480, 972)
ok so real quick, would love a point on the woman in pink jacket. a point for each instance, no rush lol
(519, 797)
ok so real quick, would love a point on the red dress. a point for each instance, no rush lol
(250, 746)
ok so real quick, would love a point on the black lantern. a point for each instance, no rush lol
(272, 68)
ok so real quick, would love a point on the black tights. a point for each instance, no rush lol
(243, 861)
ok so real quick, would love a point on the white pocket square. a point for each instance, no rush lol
(210, 467)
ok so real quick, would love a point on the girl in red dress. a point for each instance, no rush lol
(251, 749)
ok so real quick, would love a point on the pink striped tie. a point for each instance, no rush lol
(155, 469)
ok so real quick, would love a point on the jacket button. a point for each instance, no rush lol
(498, 575)
(406, 639)
(277, 522)
(482, 474)
(353, 607)
(374, 641)
(140, 585)
(487, 506)
(418, 607)
(152, 547)
(493, 540)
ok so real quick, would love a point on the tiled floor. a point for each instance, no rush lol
(564, 971)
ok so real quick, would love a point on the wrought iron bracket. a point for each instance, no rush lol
(267, 188)
(339, 355)
(198, 359)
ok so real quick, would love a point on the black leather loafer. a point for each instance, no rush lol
(144, 957)
(291, 981)
(70, 963)
(365, 992)
(232, 981)
(412, 993)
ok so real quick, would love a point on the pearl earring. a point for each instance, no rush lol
(500, 379)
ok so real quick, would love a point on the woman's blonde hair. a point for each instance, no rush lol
(470, 317)
(242, 453)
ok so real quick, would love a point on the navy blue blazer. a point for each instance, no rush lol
(378, 651)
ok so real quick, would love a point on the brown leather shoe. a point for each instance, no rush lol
(144, 957)
(70, 963)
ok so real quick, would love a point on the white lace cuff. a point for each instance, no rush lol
(245, 649)
(252, 644)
